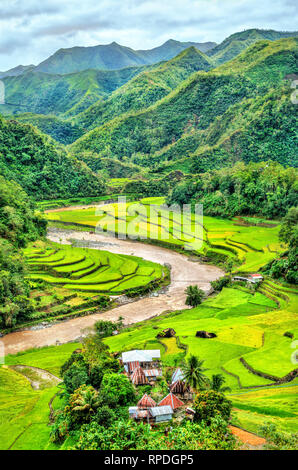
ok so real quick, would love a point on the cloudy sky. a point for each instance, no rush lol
(31, 30)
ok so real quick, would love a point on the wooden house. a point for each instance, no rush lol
(146, 402)
(138, 377)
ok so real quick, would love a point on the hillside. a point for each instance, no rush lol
(42, 93)
(112, 56)
(206, 111)
(44, 170)
(238, 42)
(146, 88)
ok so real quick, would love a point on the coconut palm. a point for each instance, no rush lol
(194, 296)
(193, 371)
(87, 402)
(217, 382)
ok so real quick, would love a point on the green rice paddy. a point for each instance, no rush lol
(87, 270)
(250, 247)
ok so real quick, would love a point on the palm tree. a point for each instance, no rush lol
(217, 382)
(87, 402)
(193, 371)
(194, 296)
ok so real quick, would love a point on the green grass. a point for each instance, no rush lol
(24, 413)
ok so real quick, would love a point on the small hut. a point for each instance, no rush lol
(172, 401)
(179, 388)
(138, 376)
(146, 402)
(161, 413)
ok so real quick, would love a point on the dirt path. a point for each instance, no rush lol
(39, 378)
(183, 273)
(249, 440)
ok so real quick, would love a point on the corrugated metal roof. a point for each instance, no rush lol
(179, 387)
(161, 410)
(172, 401)
(146, 402)
(152, 372)
(141, 355)
(177, 375)
(138, 377)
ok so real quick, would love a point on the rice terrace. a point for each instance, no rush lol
(148, 231)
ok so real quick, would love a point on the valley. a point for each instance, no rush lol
(148, 208)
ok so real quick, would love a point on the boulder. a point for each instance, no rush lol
(167, 333)
(205, 334)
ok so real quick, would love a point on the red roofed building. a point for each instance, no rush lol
(146, 402)
(172, 401)
(138, 377)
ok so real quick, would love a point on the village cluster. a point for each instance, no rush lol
(143, 367)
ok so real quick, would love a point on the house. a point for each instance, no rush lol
(138, 414)
(146, 402)
(177, 375)
(145, 358)
(161, 413)
(172, 401)
(252, 278)
(152, 374)
(179, 388)
(138, 376)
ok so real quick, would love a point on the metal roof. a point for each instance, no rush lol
(152, 372)
(161, 410)
(138, 377)
(172, 401)
(146, 402)
(177, 375)
(141, 355)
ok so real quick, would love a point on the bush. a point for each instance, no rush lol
(219, 284)
(211, 404)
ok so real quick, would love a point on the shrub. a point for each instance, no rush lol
(210, 404)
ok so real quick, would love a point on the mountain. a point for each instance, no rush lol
(40, 166)
(146, 88)
(238, 42)
(19, 70)
(209, 115)
(43, 93)
(113, 56)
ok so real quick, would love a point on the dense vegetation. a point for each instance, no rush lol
(267, 189)
(241, 110)
(146, 88)
(286, 266)
(56, 94)
(19, 223)
(237, 42)
(43, 169)
(113, 56)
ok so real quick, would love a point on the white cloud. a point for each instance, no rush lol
(31, 31)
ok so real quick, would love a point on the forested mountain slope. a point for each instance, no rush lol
(207, 112)
(238, 42)
(146, 88)
(113, 56)
(43, 169)
(69, 94)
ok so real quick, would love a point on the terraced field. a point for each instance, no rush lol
(218, 239)
(87, 270)
(249, 326)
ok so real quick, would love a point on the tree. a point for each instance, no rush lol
(211, 404)
(105, 328)
(193, 371)
(117, 389)
(216, 383)
(75, 376)
(194, 296)
(82, 406)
